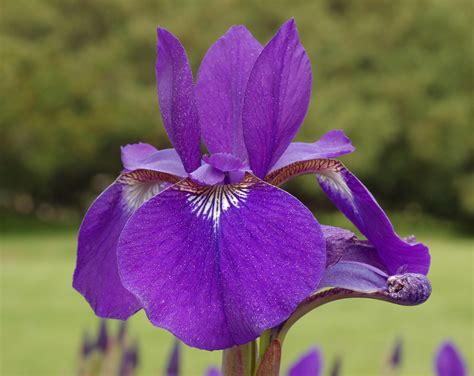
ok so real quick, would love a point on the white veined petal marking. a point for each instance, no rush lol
(141, 185)
(210, 202)
(136, 194)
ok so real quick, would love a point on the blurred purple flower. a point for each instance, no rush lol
(310, 364)
(396, 356)
(336, 367)
(174, 363)
(448, 361)
(190, 238)
(103, 341)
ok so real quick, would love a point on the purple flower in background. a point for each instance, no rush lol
(209, 246)
(310, 364)
(448, 361)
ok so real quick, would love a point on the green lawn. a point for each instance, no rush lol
(42, 317)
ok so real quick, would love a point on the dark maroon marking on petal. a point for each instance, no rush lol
(282, 175)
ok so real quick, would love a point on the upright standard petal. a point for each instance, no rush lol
(96, 275)
(353, 199)
(220, 90)
(276, 99)
(176, 98)
(449, 361)
(331, 145)
(310, 364)
(217, 265)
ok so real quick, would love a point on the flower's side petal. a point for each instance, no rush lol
(351, 263)
(449, 361)
(220, 90)
(133, 154)
(276, 99)
(146, 157)
(343, 245)
(310, 364)
(354, 276)
(218, 265)
(96, 275)
(330, 145)
(356, 202)
(176, 98)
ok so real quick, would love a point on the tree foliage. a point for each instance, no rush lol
(78, 82)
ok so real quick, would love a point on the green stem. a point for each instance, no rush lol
(265, 339)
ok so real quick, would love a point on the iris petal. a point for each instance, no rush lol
(351, 263)
(218, 265)
(176, 98)
(310, 364)
(220, 90)
(353, 199)
(96, 275)
(276, 99)
(146, 157)
(449, 361)
(331, 145)
(134, 154)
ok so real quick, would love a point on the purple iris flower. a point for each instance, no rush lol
(209, 246)
(448, 361)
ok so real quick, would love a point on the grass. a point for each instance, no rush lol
(43, 318)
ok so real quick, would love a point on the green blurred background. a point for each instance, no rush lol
(78, 82)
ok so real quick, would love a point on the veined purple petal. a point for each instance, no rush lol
(310, 364)
(449, 361)
(276, 99)
(331, 145)
(176, 98)
(352, 198)
(220, 90)
(218, 265)
(96, 275)
(146, 157)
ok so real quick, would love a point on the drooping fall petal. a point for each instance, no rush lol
(353, 199)
(96, 275)
(217, 265)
